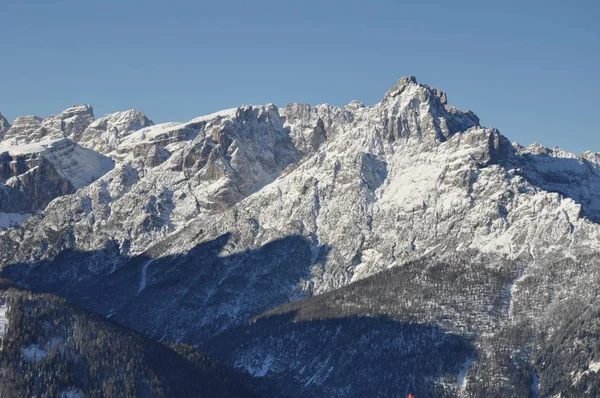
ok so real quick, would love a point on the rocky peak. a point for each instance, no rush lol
(104, 134)
(22, 126)
(70, 123)
(4, 126)
(414, 110)
(441, 96)
(406, 80)
(403, 83)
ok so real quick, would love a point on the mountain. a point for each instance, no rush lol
(297, 245)
(39, 161)
(50, 348)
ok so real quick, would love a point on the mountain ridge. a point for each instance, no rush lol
(202, 226)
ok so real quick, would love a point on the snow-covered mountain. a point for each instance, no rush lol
(187, 231)
(40, 161)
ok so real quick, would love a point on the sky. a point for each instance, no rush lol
(529, 68)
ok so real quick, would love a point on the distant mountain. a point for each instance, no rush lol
(403, 233)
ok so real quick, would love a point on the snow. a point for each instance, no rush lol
(143, 276)
(461, 379)
(266, 365)
(535, 384)
(34, 353)
(15, 149)
(12, 220)
(3, 319)
(223, 113)
(79, 165)
(71, 394)
(254, 366)
(152, 133)
(594, 366)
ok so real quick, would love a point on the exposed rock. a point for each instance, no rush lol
(104, 134)
(4, 126)
(32, 175)
(70, 123)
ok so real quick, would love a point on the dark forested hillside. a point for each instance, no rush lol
(50, 349)
(434, 327)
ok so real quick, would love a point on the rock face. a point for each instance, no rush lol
(103, 135)
(32, 175)
(202, 226)
(39, 161)
(70, 123)
(4, 126)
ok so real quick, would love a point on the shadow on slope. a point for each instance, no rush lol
(51, 349)
(412, 327)
(280, 355)
(187, 297)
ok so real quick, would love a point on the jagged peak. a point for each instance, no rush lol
(69, 123)
(401, 86)
(81, 111)
(27, 119)
(129, 120)
(557, 152)
(4, 125)
(354, 105)
(79, 108)
(406, 82)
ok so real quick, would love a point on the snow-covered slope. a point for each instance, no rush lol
(39, 163)
(202, 225)
(103, 135)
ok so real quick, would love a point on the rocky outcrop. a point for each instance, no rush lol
(103, 135)
(4, 126)
(33, 175)
(70, 123)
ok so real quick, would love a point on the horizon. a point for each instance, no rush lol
(529, 70)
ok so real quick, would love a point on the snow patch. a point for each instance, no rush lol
(15, 149)
(461, 379)
(81, 166)
(71, 394)
(266, 365)
(535, 384)
(254, 367)
(594, 366)
(144, 274)
(34, 353)
(3, 319)
(12, 220)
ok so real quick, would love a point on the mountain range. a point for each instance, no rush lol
(309, 250)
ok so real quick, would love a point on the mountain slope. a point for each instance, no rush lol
(52, 349)
(202, 226)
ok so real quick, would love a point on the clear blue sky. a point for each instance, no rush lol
(529, 68)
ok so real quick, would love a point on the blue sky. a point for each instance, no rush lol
(529, 68)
